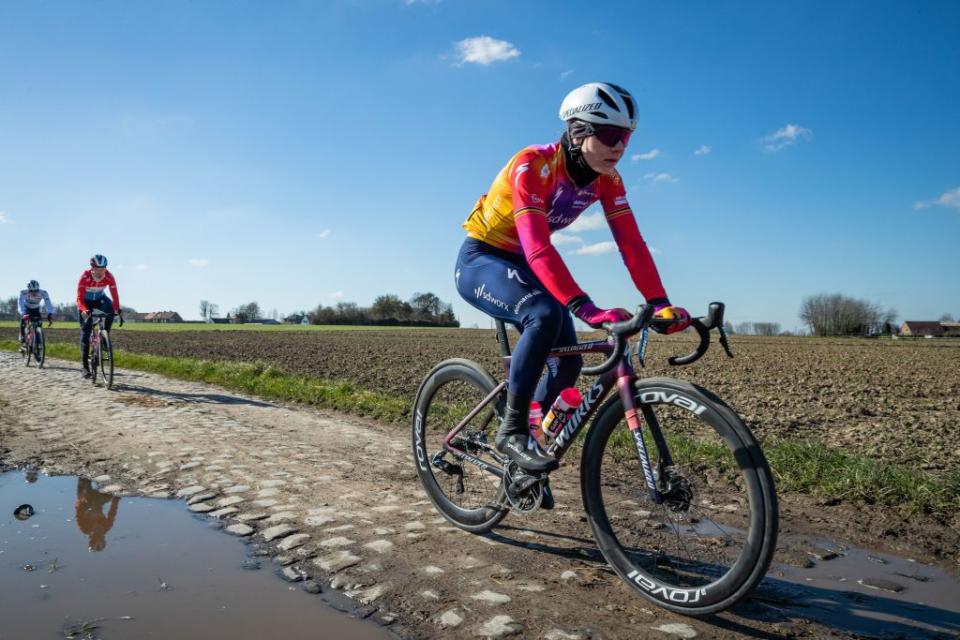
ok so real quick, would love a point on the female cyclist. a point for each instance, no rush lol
(509, 269)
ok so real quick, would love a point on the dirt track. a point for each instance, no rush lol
(341, 497)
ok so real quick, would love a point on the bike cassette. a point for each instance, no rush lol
(524, 491)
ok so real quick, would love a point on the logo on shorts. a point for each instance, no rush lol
(513, 275)
(482, 294)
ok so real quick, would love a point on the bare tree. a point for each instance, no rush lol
(946, 318)
(839, 315)
(246, 313)
(205, 310)
(766, 328)
(745, 328)
(8, 308)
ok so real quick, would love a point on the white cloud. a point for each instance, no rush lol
(660, 177)
(323, 235)
(788, 135)
(949, 199)
(564, 238)
(703, 150)
(564, 74)
(485, 50)
(198, 262)
(588, 222)
(4, 219)
(649, 155)
(142, 267)
(336, 295)
(596, 249)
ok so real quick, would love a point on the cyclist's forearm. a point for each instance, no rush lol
(636, 256)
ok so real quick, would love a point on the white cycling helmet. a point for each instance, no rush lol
(600, 103)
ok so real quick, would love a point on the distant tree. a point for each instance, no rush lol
(946, 318)
(728, 327)
(839, 315)
(425, 305)
(766, 328)
(246, 313)
(390, 307)
(66, 312)
(205, 310)
(8, 308)
(745, 328)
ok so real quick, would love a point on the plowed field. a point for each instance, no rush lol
(891, 400)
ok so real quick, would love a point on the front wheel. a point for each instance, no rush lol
(465, 493)
(39, 348)
(710, 539)
(106, 359)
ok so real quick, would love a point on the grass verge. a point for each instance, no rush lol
(801, 466)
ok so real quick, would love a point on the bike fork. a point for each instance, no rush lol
(635, 424)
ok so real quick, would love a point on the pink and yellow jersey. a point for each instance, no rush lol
(536, 181)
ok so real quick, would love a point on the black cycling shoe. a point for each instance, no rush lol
(531, 460)
(86, 374)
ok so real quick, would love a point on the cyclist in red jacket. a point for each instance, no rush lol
(509, 269)
(91, 294)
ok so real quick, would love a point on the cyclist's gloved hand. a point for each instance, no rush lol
(120, 316)
(25, 317)
(663, 310)
(49, 320)
(593, 315)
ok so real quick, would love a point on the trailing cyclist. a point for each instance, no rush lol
(509, 269)
(29, 307)
(91, 295)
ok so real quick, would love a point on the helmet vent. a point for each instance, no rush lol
(606, 98)
(629, 102)
(600, 114)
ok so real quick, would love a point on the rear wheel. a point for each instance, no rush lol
(467, 495)
(711, 539)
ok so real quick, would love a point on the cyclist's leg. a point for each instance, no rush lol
(23, 328)
(106, 305)
(502, 286)
(561, 372)
(86, 326)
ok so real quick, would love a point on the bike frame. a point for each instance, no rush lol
(95, 331)
(623, 376)
(33, 326)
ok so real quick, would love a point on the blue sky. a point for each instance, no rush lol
(297, 153)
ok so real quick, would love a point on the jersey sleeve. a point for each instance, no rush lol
(530, 180)
(22, 303)
(46, 301)
(114, 293)
(81, 305)
(634, 251)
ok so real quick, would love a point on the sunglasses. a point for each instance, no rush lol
(610, 135)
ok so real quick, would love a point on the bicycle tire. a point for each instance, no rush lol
(106, 359)
(94, 358)
(636, 567)
(487, 515)
(40, 351)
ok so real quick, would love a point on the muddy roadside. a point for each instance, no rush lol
(335, 498)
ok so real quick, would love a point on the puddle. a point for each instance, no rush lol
(863, 592)
(139, 568)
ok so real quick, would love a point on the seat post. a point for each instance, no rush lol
(502, 339)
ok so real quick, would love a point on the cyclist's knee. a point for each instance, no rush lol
(547, 317)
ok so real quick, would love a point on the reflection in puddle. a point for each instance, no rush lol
(90, 517)
(158, 572)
